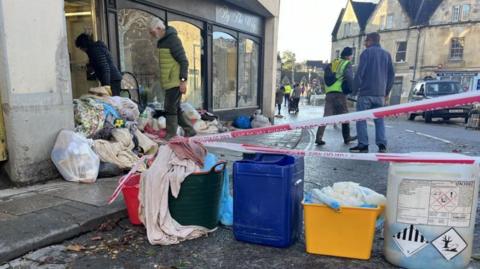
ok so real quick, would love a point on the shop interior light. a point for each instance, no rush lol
(73, 14)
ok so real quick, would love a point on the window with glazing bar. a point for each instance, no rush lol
(456, 49)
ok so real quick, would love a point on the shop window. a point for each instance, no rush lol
(455, 13)
(456, 49)
(224, 71)
(248, 73)
(138, 51)
(401, 54)
(466, 12)
(191, 37)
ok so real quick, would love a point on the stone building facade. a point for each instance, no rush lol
(41, 71)
(425, 38)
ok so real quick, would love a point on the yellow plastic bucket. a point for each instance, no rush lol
(348, 232)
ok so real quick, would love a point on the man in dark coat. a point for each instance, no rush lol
(101, 61)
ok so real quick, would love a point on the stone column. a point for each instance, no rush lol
(270, 66)
(35, 85)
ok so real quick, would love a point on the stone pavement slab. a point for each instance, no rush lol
(94, 194)
(29, 203)
(38, 216)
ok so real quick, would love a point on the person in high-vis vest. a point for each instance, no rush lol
(336, 99)
(288, 91)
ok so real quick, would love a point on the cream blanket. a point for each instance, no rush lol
(167, 171)
(120, 152)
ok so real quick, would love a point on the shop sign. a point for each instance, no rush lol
(238, 19)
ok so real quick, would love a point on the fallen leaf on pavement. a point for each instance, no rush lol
(75, 247)
(109, 225)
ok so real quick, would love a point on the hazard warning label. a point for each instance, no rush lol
(441, 203)
(410, 240)
(450, 244)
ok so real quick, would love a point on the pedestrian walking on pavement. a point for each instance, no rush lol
(279, 99)
(100, 66)
(373, 82)
(288, 91)
(338, 82)
(173, 76)
(295, 97)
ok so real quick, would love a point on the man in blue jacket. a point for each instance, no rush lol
(373, 82)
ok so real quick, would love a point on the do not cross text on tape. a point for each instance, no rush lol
(449, 101)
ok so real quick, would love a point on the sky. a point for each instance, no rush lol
(306, 27)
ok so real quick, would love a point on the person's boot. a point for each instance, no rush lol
(346, 134)
(186, 125)
(172, 126)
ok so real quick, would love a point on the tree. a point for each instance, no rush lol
(447, 240)
(288, 60)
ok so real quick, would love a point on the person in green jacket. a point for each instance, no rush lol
(173, 76)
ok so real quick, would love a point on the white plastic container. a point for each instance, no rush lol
(430, 215)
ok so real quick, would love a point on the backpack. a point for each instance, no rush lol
(329, 76)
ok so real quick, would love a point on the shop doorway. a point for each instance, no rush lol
(80, 18)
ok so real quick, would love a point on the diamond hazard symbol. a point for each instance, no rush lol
(410, 241)
(450, 244)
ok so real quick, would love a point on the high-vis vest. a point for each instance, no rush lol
(338, 66)
(288, 89)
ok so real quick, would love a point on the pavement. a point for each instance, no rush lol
(118, 244)
(45, 214)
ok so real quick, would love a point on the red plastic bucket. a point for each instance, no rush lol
(130, 196)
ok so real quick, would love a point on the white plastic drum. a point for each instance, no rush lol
(430, 215)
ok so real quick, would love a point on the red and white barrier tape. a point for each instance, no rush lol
(379, 157)
(449, 101)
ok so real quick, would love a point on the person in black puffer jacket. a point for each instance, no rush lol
(101, 62)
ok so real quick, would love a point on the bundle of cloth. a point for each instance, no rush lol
(98, 112)
(173, 163)
(111, 121)
(120, 151)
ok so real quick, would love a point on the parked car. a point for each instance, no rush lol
(435, 88)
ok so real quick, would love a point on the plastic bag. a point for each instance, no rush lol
(162, 123)
(200, 125)
(127, 108)
(260, 121)
(242, 122)
(346, 194)
(226, 202)
(225, 212)
(190, 112)
(146, 118)
(74, 158)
